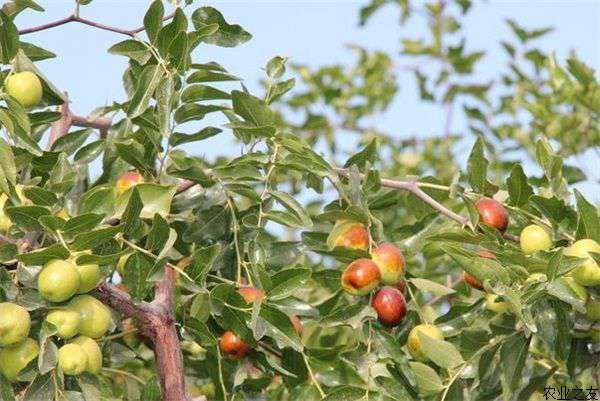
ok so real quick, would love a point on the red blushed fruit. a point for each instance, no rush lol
(349, 234)
(492, 213)
(251, 294)
(298, 326)
(390, 306)
(361, 277)
(127, 180)
(390, 261)
(472, 281)
(233, 346)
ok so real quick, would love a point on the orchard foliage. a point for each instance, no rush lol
(301, 272)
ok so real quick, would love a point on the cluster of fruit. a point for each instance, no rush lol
(83, 316)
(535, 238)
(363, 275)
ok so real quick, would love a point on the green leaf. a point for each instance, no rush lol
(513, 355)
(198, 92)
(205, 133)
(477, 167)
(138, 270)
(92, 239)
(442, 353)
(210, 76)
(284, 282)
(291, 204)
(428, 381)
(431, 287)
(26, 217)
(481, 268)
(20, 133)
(35, 53)
(588, 223)
(9, 39)
(518, 188)
(276, 67)
(227, 35)
(192, 111)
(8, 169)
(179, 52)
(251, 108)
(130, 218)
(202, 262)
(368, 154)
(280, 328)
(345, 393)
(134, 49)
(153, 19)
(41, 389)
(40, 257)
(279, 89)
(40, 196)
(146, 85)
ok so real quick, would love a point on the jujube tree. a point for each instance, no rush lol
(279, 274)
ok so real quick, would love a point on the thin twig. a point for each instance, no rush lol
(74, 18)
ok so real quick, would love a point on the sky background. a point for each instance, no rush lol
(315, 33)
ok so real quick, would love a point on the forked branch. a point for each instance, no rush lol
(85, 21)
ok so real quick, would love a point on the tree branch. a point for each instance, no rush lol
(62, 126)
(413, 187)
(74, 18)
(156, 321)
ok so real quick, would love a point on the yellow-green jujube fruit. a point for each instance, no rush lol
(95, 316)
(66, 322)
(414, 342)
(15, 358)
(15, 323)
(90, 277)
(72, 359)
(26, 87)
(492, 303)
(588, 273)
(534, 238)
(58, 281)
(93, 352)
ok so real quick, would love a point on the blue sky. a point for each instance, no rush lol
(312, 32)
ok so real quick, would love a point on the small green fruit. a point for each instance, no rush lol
(72, 359)
(15, 358)
(14, 324)
(26, 87)
(414, 342)
(93, 352)
(534, 238)
(587, 274)
(66, 322)
(58, 281)
(492, 303)
(95, 316)
(90, 277)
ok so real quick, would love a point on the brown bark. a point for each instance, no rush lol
(156, 322)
